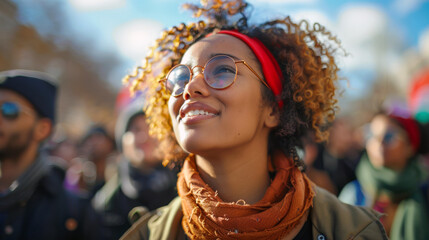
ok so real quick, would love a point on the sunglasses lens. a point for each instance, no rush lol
(177, 79)
(389, 137)
(10, 110)
(220, 72)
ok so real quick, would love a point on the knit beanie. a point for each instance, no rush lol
(418, 134)
(37, 87)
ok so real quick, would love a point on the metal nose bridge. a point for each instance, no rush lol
(197, 66)
(191, 77)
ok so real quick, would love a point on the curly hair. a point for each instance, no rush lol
(305, 54)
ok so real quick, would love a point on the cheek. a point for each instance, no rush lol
(244, 102)
(243, 114)
(174, 105)
(400, 151)
(15, 126)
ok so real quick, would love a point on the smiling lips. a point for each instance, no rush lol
(195, 112)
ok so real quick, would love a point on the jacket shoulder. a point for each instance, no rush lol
(162, 223)
(139, 216)
(336, 220)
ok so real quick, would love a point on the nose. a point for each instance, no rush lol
(196, 85)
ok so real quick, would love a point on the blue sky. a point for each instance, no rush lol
(376, 33)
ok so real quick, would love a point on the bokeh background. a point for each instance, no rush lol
(89, 45)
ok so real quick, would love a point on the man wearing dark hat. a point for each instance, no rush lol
(33, 202)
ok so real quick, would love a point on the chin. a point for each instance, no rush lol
(196, 145)
(192, 146)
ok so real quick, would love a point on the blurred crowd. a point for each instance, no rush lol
(87, 186)
(382, 164)
(84, 188)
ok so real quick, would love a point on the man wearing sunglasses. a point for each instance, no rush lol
(33, 202)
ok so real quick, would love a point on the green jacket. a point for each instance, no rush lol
(331, 219)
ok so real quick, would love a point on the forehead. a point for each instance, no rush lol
(218, 44)
(11, 96)
(380, 124)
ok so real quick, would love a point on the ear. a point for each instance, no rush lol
(42, 129)
(272, 118)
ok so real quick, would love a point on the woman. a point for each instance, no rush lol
(230, 105)
(389, 176)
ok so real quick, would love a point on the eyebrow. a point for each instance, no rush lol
(218, 54)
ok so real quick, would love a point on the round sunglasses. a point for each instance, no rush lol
(11, 110)
(220, 72)
(389, 137)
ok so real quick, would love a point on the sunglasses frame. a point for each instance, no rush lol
(395, 135)
(191, 71)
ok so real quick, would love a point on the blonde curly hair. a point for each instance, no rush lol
(304, 53)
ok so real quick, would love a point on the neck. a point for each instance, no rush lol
(12, 168)
(238, 174)
(100, 169)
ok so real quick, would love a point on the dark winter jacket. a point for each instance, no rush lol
(39, 207)
(128, 189)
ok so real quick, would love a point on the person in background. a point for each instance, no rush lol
(338, 156)
(389, 176)
(33, 202)
(310, 150)
(141, 180)
(97, 154)
(63, 151)
(230, 101)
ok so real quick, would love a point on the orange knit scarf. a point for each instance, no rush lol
(206, 216)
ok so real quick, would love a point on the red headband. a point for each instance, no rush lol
(412, 129)
(270, 68)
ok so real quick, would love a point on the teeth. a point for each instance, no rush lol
(197, 112)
